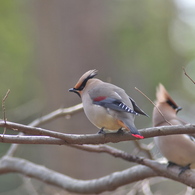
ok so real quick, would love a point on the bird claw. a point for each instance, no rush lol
(101, 131)
(120, 131)
(183, 169)
(170, 164)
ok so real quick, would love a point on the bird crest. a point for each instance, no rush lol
(84, 78)
(163, 96)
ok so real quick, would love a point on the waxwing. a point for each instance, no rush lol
(107, 106)
(177, 149)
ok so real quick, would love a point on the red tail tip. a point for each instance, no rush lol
(138, 136)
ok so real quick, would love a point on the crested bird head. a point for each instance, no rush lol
(82, 82)
(165, 104)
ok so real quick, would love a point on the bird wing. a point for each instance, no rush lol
(114, 104)
(112, 97)
(137, 108)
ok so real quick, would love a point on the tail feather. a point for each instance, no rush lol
(133, 130)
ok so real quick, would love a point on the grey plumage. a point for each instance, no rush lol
(180, 148)
(107, 106)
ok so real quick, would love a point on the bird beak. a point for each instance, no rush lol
(75, 91)
(72, 90)
(178, 109)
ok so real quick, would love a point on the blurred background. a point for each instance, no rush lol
(45, 46)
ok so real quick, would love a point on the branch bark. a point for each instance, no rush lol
(56, 114)
(61, 112)
(96, 138)
(106, 183)
(187, 178)
(147, 168)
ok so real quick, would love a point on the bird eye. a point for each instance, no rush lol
(175, 107)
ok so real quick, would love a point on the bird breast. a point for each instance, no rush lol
(100, 116)
(177, 148)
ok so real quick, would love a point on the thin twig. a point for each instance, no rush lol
(47, 118)
(3, 104)
(188, 75)
(3, 108)
(153, 104)
(56, 114)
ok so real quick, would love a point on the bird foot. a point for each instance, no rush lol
(101, 131)
(170, 164)
(120, 131)
(183, 169)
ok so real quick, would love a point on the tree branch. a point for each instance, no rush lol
(49, 117)
(57, 113)
(156, 168)
(29, 139)
(106, 183)
(96, 138)
(110, 182)
(159, 168)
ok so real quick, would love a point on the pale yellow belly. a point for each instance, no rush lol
(101, 118)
